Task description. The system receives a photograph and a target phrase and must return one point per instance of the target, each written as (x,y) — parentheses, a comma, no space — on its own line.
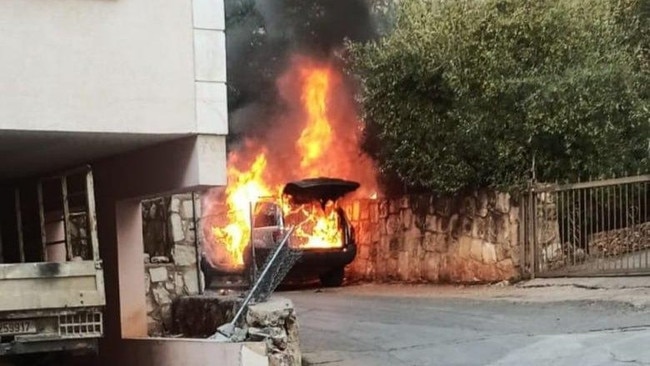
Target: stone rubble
(273,322)
(199,316)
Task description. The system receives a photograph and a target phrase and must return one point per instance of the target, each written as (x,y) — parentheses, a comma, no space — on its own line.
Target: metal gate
(596,228)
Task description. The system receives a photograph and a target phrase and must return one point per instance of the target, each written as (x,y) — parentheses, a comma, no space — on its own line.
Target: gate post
(533,231)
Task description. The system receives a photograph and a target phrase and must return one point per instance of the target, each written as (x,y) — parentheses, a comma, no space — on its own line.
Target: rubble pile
(273,322)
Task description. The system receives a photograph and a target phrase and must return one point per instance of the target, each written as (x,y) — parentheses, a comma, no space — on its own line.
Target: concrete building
(137,90)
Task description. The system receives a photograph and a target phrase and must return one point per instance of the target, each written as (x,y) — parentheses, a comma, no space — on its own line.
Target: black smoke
(261,35)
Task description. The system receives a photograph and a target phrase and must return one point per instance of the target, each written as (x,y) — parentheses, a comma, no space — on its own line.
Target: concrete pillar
(130,249)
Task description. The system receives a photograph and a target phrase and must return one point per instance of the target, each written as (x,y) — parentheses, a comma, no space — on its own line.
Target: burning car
(323,232)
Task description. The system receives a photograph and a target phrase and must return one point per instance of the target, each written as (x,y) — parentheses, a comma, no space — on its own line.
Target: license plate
(17,327)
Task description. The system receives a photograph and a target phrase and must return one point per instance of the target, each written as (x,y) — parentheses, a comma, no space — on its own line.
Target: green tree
(467,94)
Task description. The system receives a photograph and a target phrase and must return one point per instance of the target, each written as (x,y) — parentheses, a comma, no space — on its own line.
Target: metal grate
(278,267)
(275,269)
(82,324)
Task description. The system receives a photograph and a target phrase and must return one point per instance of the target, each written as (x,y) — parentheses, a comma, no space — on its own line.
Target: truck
(51,278)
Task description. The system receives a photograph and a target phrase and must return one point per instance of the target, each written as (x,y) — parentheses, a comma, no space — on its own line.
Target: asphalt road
(391,325)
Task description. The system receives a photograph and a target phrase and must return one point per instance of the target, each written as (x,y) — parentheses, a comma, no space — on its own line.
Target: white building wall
(122,66)
(102,71)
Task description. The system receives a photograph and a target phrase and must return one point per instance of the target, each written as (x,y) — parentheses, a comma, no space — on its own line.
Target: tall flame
(317,135)
(243,188)
(322,111)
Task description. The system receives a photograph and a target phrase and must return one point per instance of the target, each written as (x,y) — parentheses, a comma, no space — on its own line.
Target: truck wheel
(333,278)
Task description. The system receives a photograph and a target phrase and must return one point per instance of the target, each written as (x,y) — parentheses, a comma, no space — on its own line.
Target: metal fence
(587,229)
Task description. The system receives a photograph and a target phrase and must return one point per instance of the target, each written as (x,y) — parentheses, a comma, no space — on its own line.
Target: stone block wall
(171,266)
(462,239)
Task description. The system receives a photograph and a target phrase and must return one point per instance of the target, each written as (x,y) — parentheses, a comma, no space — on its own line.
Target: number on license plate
(17,327)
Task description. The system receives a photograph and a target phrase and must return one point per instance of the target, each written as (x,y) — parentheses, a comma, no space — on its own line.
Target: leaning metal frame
(251,217)
(274,270)
(276,266)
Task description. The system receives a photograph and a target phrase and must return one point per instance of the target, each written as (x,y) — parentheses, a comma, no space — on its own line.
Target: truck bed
(51,285)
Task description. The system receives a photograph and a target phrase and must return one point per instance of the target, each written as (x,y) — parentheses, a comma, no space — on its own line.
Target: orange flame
(323,114)
(316,227)
(243,188)
(317,135)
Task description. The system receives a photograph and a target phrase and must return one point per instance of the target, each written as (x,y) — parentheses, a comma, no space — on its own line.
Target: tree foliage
(481,93)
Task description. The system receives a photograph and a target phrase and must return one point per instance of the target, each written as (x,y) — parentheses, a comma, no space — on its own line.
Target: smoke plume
(261,37)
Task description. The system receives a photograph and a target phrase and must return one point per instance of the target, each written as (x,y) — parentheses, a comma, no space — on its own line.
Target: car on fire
(326,257)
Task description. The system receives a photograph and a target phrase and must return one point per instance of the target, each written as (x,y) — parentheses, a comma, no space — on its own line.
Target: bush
(468,94)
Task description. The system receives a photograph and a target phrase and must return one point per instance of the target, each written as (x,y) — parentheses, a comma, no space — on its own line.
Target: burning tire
(333,278)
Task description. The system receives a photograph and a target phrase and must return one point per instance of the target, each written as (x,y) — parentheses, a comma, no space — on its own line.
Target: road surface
(380,325)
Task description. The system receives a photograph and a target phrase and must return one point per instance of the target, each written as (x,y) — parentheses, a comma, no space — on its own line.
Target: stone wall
(171,266)
(464,239)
